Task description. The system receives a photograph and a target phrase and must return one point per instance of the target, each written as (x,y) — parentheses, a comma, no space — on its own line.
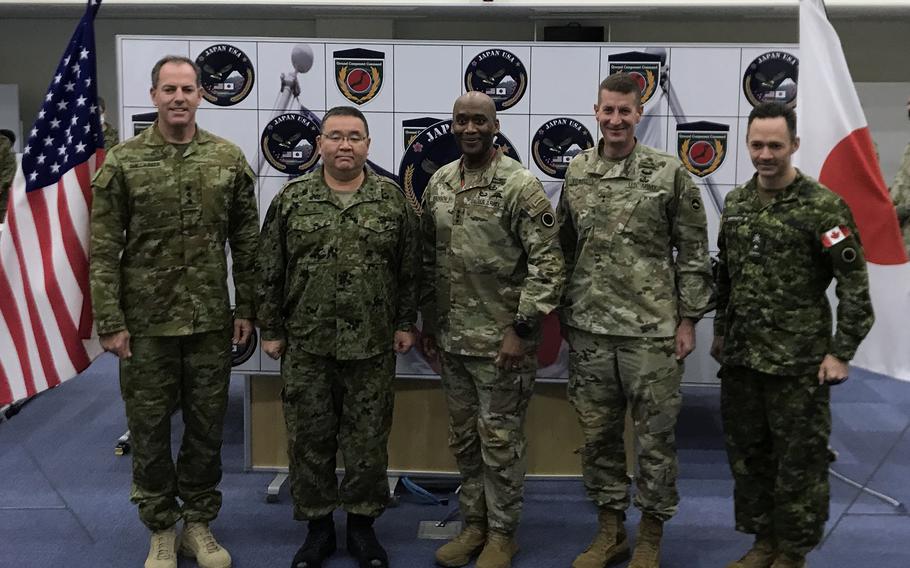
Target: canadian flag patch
(833,236)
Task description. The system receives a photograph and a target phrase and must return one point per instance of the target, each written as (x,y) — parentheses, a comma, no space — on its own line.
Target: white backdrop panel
(249,48)
(136,61)
(706,81)
(383,99)
(274,59)
(523,52)
(571,78)
(726,173)
(423,81)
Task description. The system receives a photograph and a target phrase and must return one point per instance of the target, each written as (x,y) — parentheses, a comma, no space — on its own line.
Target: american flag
(45,308)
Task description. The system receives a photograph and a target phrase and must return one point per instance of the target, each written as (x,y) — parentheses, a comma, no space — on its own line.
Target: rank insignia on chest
(755,248)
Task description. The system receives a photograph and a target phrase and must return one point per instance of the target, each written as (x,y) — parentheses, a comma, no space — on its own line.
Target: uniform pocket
(309,238)
(217,188)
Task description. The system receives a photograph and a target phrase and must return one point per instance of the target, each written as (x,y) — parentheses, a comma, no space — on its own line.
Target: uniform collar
(625,168)
(368,191)
(793,192)
(489,172)
(151,136)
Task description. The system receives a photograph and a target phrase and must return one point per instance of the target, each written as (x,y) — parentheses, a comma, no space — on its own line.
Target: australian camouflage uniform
(338,279)
(111,135)
(777,260)
(621,221)
(161,218)
(490,255)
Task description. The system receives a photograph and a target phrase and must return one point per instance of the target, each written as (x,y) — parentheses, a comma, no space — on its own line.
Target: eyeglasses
(337,137)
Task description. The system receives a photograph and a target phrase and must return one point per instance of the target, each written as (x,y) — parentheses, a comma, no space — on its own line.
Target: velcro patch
(833,236)
(142,165)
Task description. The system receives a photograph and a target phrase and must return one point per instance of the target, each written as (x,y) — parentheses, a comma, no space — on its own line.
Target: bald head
(478,101)
(474,126)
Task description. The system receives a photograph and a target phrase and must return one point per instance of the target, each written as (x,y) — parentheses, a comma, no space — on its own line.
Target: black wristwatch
(524,328)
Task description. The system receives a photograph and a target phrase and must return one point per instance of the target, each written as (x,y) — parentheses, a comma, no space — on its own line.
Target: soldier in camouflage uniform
(783,238)
(338,298)
(630,310)
(492,270)
(7,169)
(111,136)
(900,193)
(165,203)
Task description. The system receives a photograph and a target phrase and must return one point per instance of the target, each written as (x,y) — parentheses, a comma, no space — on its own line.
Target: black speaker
(574,32)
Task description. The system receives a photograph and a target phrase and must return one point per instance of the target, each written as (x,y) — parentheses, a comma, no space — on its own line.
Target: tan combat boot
(761,555)
(647,546)
(498,551)
(163,549)
(785,560)
(197,541)
(610,544)
(460,550)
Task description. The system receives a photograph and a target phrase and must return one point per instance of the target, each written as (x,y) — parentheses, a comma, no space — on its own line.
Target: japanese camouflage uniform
(170,216)
(776,263)
(338,279)
(490,255)
(900,194)
(7,173)
(625,294)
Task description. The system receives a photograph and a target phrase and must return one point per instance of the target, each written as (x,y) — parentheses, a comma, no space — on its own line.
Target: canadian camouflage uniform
(621,222)
(338,279)
(900,194)
(7,173)
(170,216)
(774,315)
(111,136)
(490,255)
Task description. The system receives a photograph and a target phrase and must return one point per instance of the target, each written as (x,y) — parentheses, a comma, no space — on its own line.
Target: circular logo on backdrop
(772,77)
(432,149)
(557,142)
(289,144)
(499,74)
(227,74)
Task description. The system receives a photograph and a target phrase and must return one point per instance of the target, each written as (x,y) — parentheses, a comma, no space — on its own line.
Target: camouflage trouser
(330,403)
(191,373)
(607,373)
(487,408)
(776,431)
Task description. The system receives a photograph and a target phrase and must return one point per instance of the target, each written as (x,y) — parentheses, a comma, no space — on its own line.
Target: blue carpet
(64,495)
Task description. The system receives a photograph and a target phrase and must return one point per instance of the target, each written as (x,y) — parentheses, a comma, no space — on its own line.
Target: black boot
(362,543)
(319,544)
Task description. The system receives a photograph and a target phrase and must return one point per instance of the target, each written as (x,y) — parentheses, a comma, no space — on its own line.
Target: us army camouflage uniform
(775,318)
(111,136)
(490,254)
(170,217)
(7,173)
(338,279)
(625,295)
(900,194)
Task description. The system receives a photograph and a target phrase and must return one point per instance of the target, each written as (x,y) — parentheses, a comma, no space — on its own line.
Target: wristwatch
(524,328)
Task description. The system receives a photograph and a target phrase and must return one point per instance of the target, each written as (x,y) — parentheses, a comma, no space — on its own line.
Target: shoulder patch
(834,235)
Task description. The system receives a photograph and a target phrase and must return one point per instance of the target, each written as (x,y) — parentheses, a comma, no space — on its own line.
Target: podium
(418,443)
